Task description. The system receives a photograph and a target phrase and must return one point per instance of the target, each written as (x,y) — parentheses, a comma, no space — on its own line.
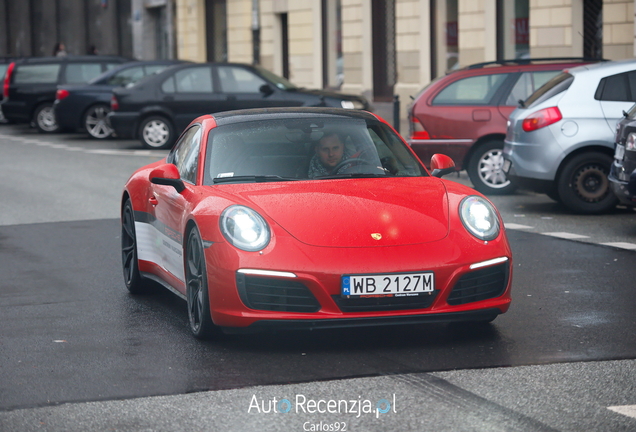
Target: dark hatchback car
(156,109)
(84,107)
(463,114)
(622,174)
(30,85)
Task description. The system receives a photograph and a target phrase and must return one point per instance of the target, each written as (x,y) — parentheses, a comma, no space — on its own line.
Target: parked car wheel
(135,283)
(44,118)
(199,316)
(95,122)
(156,132)
(583,185)
(485,169)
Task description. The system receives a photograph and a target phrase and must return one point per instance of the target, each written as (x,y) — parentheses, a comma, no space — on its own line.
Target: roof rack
(530,60)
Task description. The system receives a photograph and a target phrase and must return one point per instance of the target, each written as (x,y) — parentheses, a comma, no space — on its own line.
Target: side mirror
(441,165)
(266,90)
(167,175)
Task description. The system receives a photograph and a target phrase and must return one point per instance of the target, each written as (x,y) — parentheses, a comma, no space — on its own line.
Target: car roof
(604,69)
(247,115)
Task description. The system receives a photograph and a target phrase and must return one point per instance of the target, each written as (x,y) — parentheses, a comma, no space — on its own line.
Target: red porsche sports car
(311,218)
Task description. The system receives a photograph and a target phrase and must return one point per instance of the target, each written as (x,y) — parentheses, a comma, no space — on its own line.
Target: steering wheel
(353,160)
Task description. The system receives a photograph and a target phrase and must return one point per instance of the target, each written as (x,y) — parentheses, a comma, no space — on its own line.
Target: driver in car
(330,151)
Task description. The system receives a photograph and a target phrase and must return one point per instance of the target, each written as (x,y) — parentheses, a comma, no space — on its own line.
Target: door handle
(153,200)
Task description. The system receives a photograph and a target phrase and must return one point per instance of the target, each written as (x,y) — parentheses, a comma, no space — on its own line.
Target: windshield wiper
(353,175)
(253,178)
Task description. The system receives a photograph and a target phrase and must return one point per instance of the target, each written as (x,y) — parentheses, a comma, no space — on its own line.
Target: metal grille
(479,285)
(271,294)
(593,29)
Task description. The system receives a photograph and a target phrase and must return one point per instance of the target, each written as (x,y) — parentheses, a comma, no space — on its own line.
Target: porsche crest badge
(376,236)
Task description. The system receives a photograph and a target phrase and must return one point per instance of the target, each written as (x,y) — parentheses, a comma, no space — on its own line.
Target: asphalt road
(77,352)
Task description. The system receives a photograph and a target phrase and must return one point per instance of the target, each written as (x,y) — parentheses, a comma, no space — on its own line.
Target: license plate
(388,285)
(506,166)
(619,153)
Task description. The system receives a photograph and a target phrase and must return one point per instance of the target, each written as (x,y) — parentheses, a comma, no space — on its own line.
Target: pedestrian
(59,50)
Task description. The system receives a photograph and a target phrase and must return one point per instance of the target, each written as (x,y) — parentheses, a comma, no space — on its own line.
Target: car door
(189,93)
(616,94)
(171,208)
(242,88)
(463,111)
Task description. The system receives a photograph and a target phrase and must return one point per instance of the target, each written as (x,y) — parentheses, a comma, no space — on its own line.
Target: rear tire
(44,118)
(135,283)
(95,122)
(156,132)
(583,185)
(485,169)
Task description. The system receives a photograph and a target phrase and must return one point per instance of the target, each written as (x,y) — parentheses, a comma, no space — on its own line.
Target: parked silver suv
(561,140)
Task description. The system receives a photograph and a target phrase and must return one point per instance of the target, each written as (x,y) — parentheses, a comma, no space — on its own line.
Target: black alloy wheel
(583,185)
(135,283)
(201,324)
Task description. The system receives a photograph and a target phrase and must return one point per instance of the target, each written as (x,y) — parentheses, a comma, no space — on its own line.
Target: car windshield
(278,81)
(307,148)
(556,85)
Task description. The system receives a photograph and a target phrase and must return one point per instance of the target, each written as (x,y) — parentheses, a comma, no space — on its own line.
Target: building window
(332,60)
(216,30)
(513,29)
(593,29)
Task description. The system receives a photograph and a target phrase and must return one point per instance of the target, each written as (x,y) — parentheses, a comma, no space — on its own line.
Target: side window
(36,74)
(527,84)
(477,90)
(79,73)
(617,88)
(186,154)
(127,76)
(194,80)
(168,85)
(238,80)
(153,69)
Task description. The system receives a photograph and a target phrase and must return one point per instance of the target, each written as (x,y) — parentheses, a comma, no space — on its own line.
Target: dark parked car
(30,85)
(622,174)
(463,114)
(156,109)
(85,106)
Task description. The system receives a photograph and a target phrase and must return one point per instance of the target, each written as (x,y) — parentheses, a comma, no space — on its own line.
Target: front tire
(135,283)
(95,122)
(485,169)
(198,298)
(44,119)
(156,132)
(583,185)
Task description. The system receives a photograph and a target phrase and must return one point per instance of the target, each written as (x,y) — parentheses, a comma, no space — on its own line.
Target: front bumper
(622,179)
(457,295)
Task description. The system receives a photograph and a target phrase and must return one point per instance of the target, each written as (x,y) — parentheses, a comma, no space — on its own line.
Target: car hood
(354,213)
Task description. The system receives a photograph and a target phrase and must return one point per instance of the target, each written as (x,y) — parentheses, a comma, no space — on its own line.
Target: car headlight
(630,142)
(244,228)
(351,104)
(479,217)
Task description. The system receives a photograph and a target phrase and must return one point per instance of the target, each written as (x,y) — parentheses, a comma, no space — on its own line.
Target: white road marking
(628,410)
(566,235)
(622,245)
(158,153)
(510,225)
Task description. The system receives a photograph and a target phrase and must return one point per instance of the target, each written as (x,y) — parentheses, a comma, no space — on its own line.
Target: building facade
(381,48)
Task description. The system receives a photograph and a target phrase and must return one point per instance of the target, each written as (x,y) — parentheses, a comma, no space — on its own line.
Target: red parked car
(464,114)
(311,218)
